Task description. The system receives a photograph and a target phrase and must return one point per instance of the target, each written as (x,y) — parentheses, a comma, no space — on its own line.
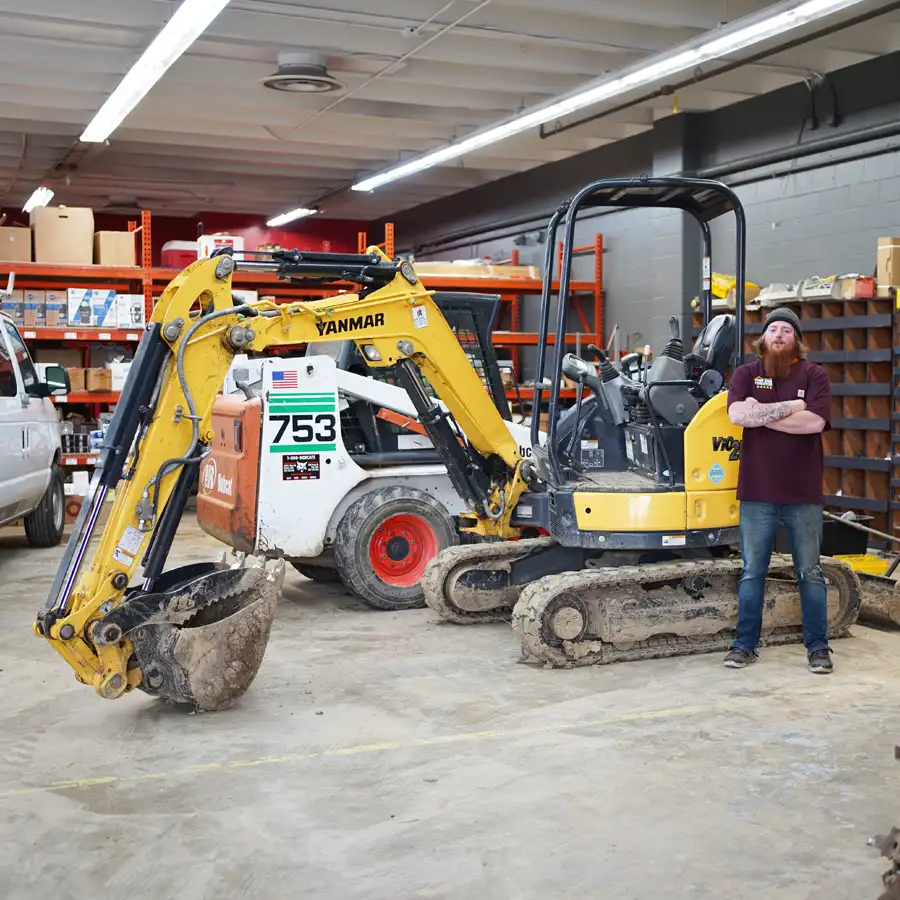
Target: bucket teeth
(204,646)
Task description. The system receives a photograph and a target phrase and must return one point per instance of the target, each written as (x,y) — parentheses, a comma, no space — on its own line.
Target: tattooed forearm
(755,415)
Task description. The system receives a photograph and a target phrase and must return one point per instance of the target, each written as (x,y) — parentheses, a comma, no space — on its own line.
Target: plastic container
(838,538)
(178,254)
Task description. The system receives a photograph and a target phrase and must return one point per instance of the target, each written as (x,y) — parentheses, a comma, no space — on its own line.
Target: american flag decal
(284,381)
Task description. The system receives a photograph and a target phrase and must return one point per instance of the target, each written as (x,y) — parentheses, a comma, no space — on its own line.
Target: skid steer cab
(320,459)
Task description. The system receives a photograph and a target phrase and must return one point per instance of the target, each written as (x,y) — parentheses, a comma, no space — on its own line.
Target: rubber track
(440,571)
(534,599)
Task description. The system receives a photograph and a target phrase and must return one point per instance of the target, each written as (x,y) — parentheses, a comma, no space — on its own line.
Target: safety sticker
(300,467)
(716,474)
(128,546)
(674,540)
(122,557)
(131,540)
(644,447)
(420,317)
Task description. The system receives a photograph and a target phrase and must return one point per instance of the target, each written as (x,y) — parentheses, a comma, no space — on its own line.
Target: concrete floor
(385,755)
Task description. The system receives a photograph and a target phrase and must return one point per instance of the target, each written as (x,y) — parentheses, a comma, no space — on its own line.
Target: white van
(31,481)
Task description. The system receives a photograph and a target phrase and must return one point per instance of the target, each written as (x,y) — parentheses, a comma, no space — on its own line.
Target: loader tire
(45,524)
(385,541)
(320,574)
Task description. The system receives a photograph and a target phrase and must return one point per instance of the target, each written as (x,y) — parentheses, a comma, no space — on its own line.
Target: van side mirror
(57,380)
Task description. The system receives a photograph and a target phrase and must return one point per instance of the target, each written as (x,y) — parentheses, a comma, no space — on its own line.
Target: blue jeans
(759,524)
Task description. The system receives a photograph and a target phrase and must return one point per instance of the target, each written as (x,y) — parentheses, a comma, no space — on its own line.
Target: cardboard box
(474,268)
(15,245)
(92,307)
(119,371)
(63,235)
(104,310)
(114,248)
(79,307)
(35,309)
(209,242)
(98,379)
(56,307)
(102,353)
(853,287)
(130,310)
(14,307)
(78,380)
(888,271)
(67,357)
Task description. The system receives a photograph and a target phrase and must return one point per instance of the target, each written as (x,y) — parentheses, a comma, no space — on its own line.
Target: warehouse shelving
(151,280)
(74,336)
(79,460)
(854,340)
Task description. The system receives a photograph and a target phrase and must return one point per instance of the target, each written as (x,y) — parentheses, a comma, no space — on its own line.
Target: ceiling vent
(302,73)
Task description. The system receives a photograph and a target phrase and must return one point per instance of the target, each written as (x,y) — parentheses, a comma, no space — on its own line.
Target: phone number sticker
(300,467)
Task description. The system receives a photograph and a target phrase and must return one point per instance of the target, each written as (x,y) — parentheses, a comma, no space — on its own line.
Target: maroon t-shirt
(776,467)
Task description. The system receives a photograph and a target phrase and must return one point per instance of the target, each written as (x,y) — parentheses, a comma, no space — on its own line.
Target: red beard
(777,362)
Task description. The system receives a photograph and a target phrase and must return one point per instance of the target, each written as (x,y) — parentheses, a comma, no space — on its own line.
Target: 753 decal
(305,428)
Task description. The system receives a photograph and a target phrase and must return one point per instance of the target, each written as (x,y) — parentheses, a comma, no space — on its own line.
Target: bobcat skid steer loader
(342,480)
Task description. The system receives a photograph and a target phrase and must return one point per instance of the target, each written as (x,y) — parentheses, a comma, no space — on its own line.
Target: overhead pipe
(799,151)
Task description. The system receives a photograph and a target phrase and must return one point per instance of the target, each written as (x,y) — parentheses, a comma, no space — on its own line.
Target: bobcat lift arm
(197,634)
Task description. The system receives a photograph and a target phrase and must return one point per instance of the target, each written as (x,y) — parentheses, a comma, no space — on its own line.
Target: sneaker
(820,662)
(738,658)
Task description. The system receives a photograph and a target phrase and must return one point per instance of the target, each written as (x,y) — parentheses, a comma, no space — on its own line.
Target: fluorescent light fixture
(290,216)
(41,197)
(738,36)
(189,21)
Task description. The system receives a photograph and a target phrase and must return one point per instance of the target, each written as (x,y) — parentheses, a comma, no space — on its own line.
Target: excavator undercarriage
(615,609)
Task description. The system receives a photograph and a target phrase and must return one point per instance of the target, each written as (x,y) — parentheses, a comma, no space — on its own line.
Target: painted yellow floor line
(442,740)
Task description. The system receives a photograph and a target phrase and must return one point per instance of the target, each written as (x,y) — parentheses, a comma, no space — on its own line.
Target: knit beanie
(784,315)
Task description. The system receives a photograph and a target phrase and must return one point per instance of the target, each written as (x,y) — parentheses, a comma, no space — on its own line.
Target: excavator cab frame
(703,199)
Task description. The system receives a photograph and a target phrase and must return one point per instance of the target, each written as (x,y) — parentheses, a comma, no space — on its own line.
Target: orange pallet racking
(151,280)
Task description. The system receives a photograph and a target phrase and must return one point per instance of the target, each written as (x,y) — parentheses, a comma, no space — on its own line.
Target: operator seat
(708,362)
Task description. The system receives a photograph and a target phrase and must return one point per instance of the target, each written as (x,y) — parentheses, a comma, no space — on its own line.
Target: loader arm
(198,634)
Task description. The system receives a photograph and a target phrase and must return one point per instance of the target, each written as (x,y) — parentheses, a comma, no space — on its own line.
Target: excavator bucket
(204,631)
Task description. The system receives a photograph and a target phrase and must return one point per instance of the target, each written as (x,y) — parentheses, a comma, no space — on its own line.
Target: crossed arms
(789,416)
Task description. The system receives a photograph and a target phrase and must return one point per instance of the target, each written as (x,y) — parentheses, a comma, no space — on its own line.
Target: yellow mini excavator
(635,484)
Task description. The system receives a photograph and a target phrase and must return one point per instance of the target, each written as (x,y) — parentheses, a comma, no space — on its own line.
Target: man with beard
(783,403)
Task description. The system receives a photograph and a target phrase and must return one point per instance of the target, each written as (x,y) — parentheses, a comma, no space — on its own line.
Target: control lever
(631,364)
(576,369)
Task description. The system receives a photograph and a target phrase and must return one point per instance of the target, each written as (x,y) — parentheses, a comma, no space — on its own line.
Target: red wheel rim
(401,548)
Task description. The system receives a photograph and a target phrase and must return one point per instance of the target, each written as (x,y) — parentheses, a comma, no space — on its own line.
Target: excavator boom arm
(112,633)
